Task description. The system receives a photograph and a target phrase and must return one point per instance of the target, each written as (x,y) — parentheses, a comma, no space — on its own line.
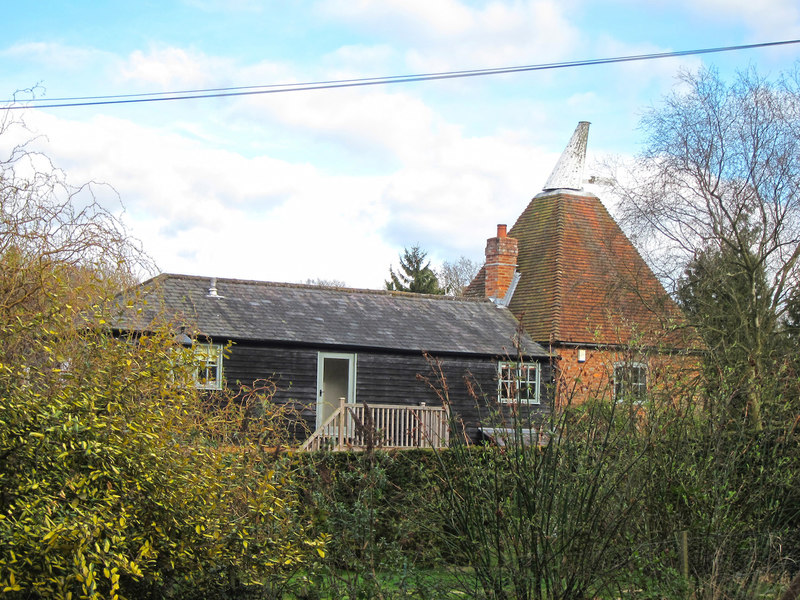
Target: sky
(333,184)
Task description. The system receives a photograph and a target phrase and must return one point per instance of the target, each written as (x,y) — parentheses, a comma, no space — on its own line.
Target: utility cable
(360,82)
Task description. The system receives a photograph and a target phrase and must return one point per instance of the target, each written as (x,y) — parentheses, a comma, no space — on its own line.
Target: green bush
(109,485)
(732,489)
(384,498)
(379,512)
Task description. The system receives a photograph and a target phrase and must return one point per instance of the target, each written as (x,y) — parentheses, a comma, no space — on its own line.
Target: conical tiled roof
(582,281)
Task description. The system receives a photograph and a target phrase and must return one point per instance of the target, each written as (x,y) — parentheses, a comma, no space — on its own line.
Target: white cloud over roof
(332,184)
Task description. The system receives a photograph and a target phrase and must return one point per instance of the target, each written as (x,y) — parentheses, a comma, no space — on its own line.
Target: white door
(336,378)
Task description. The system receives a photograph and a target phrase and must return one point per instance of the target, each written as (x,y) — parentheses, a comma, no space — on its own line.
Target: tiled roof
(275,312)
(477,287)
(582,281)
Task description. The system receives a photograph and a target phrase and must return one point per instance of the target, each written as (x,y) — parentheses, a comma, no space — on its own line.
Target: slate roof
(582,281)
(277,312)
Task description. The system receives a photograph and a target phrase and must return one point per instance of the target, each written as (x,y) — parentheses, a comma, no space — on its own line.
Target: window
(208,361)
(517,383)
(630,381)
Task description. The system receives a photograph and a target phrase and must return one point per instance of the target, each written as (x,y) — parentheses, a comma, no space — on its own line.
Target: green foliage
(717,288)
(725,295)
(415,274)
(596,508)
(386,499)
(108,488)
(716,192)
(732,489)
(596,512)
(544,517)
(379,513)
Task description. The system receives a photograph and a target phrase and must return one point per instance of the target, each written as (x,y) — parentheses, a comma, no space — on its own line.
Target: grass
(444,583)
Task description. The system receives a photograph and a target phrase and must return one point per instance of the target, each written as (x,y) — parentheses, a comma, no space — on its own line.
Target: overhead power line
(361,82)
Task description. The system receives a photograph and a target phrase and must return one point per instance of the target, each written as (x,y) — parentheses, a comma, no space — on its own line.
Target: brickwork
(501,263)
(579,381)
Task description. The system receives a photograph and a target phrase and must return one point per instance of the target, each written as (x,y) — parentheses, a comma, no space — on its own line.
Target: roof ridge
(312,287)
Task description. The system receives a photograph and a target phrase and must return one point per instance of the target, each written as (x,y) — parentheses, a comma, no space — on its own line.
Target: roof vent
(212,289)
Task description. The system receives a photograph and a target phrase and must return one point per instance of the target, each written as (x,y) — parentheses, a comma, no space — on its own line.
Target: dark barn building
(321,345)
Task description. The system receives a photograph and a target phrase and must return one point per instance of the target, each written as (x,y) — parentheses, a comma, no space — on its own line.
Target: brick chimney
(501,263)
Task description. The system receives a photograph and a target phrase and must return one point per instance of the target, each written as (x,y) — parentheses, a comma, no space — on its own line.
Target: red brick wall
(671,375)
(579,381)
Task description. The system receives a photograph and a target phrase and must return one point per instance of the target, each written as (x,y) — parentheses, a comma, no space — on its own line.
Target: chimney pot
(501,231)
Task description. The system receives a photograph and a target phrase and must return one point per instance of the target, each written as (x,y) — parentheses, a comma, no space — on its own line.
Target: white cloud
(768,20)
(358,60)
(333,184)
(170,67)
(202,210)
(452,204)
(207,211)
(55,55)
(431,17)
(241,190)
(445,34)
(395,124)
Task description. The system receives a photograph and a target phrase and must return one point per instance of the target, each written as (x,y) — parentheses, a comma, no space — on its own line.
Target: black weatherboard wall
(471,384)
(382,377)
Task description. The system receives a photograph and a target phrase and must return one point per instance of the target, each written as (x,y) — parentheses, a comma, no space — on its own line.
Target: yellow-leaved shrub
(110,484)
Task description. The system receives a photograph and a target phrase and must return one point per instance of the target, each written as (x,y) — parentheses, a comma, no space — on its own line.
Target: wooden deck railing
(360,426)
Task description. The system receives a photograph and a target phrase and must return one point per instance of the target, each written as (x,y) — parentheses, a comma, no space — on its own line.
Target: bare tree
(720,175)
(59,246)
(455,276)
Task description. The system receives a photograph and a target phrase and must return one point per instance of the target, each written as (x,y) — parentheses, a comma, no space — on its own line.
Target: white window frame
(623,379)
(208,361)
(514,377)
